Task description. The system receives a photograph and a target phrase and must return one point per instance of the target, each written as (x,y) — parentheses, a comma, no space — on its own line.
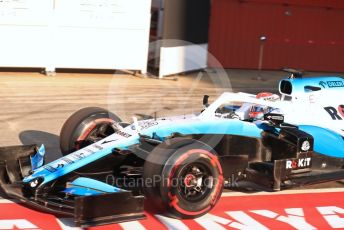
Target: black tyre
(191,179)
(86,127)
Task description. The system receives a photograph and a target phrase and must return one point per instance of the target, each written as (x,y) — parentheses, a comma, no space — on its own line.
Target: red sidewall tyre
(171,162)
(170,193)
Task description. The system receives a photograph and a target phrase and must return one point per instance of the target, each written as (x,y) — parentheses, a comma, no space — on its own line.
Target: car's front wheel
(85,127)
(183,178)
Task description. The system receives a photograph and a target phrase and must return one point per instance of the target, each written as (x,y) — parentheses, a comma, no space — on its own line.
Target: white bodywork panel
(305,110)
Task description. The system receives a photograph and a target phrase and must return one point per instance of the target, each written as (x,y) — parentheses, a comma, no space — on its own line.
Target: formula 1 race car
(180,165)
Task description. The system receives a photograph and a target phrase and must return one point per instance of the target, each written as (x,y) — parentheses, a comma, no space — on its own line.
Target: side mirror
(309,88)
(206,100)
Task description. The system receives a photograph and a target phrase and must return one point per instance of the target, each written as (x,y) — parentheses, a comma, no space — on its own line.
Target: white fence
(92,34)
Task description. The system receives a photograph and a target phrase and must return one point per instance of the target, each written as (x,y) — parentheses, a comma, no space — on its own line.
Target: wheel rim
(195,182)
(98,130)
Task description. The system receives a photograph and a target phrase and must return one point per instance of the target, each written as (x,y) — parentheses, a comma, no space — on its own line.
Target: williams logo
(331,84)
(323,84)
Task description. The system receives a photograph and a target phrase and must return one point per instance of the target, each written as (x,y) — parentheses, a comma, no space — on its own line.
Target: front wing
(87,210)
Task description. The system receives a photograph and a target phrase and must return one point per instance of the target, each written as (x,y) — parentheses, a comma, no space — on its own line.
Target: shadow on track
(50,141)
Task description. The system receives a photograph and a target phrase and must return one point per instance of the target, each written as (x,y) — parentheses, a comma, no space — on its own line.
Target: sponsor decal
(88,150)
(67,160)
(123,134)
(98,147)
(335,84)
(70,159)
(148,124)
(301,211)
(298,163)
(275,117)
(60,166)
(76,156)
(331,84)
(80,155)
(335,113)
(49,168)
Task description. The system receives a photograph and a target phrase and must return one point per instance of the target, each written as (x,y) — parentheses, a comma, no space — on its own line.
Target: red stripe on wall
(314,3)
(309,38)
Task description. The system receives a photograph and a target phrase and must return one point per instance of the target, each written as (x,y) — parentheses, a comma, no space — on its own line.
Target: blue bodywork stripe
(94,184)
(225,127)
(228,126)
(81,191)
(83,186)
(326,142)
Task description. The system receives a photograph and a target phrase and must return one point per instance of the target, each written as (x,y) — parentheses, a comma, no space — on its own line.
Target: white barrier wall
(181,59)
(93,34)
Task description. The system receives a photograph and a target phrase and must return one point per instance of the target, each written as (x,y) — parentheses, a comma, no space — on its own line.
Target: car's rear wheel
(183,178)
(86,127)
